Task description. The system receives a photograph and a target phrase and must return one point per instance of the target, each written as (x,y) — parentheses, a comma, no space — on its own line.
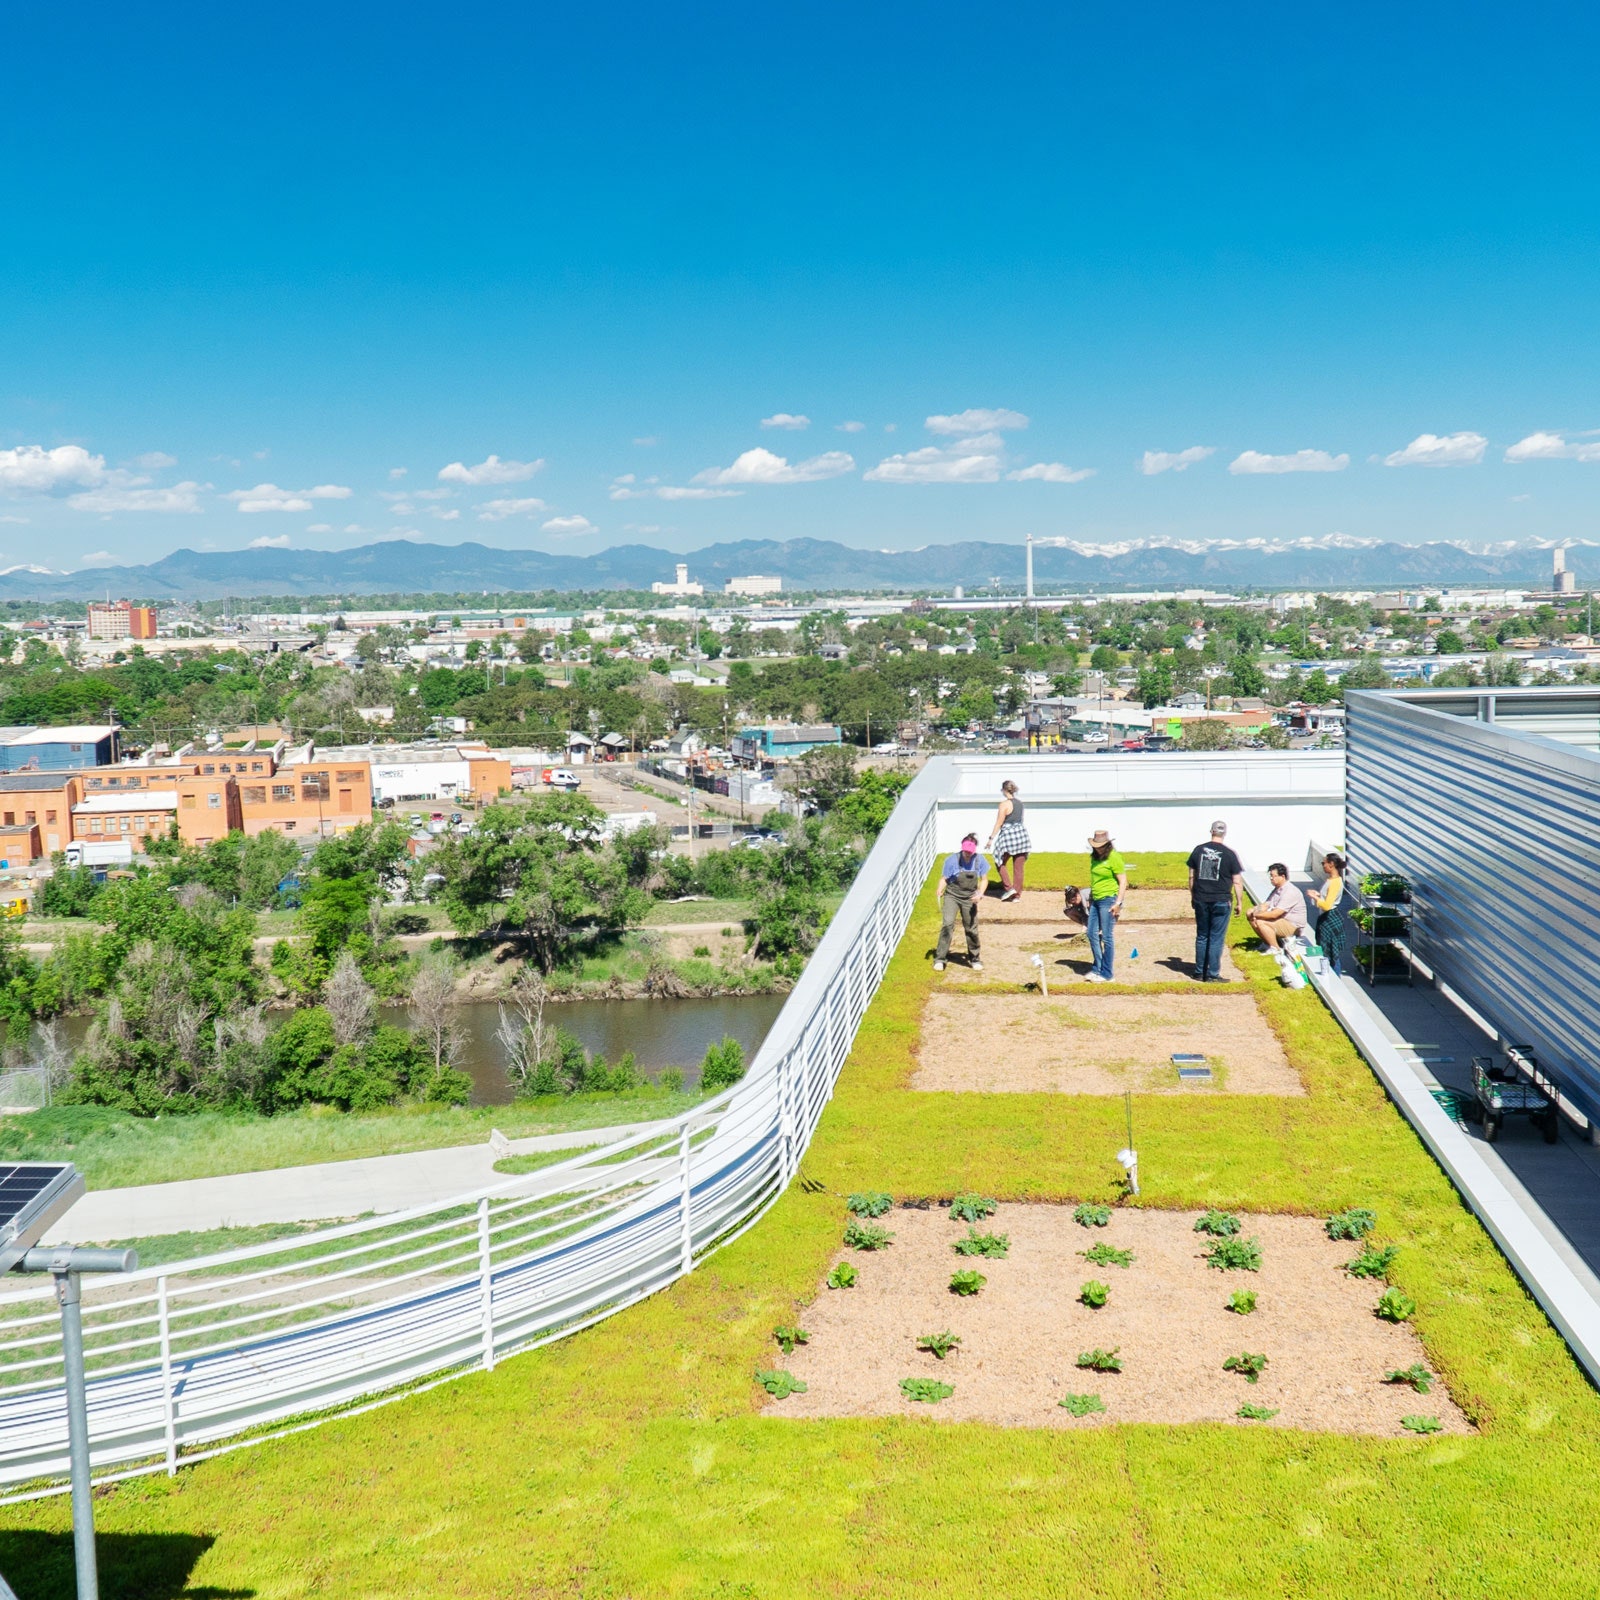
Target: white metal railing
(188,1360)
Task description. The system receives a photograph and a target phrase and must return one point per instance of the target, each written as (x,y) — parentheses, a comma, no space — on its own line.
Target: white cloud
(311,527)
(9,518)
(669,491)
(432,494)
(1440,450)
(1051,472)
(269,497)
(1536,447)
(849,427)
(646,441)
(155,460)
(1252,462)
(355,527)
(933,465)
(570,527)
(401,508)
(492,470)
(279,541)
(180,498)
(396,473)
(642,527)
(97,558)
(33,469)
(977,421)
(762,466)
(260,455)
(783,419)
(1158,461)
(499,510)
(451,515)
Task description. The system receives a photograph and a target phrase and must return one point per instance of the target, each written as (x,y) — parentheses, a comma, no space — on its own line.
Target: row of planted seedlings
(1227,1251)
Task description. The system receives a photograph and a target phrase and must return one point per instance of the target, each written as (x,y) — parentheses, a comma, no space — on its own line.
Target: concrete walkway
(307,1194)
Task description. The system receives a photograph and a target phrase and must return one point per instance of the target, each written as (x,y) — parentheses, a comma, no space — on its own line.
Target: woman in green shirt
(1108,883)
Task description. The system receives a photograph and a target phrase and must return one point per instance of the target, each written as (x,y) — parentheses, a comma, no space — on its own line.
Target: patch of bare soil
(1165,953)
(1044,905)
(1093,1043)
(1167,1319)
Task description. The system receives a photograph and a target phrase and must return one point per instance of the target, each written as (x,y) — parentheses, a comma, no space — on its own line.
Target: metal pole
(485,1285)
(169,1411)
(686,1261)
(68,1297)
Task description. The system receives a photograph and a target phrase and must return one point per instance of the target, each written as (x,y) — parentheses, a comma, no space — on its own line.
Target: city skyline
(627,278)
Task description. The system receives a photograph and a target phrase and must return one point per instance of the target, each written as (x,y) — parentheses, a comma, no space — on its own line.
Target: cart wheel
(1474,1111)
(1490,1129)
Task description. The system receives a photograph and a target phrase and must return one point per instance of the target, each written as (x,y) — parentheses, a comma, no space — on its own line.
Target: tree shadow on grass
(133,1566)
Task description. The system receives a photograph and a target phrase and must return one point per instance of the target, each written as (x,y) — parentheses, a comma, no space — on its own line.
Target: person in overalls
(961,884)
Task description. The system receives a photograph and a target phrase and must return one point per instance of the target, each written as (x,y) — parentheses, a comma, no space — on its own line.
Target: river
(661,1033)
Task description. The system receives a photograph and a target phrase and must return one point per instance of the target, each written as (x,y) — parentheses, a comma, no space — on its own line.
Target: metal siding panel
(1497,829)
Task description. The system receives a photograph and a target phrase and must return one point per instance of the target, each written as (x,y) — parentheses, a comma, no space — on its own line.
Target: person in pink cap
(962,883)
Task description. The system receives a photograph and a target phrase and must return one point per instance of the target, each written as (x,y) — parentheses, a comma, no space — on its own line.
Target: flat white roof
(85,734)
(149,800)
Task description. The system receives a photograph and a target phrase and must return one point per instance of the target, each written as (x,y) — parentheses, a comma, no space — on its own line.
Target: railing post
(485,1285)
(785,1123)
(685,1202)
(168,1403)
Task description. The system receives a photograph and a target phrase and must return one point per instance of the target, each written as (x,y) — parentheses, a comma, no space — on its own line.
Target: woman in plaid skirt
(1009,841)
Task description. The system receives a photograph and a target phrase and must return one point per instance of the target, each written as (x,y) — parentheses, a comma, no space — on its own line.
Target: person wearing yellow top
(1108,883)
(1333,931)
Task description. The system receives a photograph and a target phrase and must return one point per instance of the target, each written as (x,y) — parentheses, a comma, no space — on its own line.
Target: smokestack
(1030,566)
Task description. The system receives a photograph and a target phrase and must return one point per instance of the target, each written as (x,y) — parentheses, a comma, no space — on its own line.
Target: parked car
(560,778)
(1097,737)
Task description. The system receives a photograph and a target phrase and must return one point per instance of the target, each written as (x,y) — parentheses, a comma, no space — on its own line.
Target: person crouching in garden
(1010,842)
(964,879)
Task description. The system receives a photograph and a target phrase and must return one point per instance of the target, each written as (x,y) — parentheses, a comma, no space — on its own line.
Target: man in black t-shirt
(1216,878)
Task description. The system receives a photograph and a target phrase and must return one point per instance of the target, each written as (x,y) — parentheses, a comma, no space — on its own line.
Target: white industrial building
(753,585)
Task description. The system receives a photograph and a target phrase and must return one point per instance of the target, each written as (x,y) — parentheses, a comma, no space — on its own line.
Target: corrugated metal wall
(1499,831)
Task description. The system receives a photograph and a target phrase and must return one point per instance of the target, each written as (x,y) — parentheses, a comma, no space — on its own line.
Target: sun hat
(1100,837)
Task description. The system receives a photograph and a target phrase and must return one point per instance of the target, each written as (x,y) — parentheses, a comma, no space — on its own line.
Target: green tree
(540,872)
(1154,687)
(866,807)
(825,775)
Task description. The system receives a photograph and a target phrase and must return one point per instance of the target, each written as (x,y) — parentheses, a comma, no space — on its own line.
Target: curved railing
(208,1355)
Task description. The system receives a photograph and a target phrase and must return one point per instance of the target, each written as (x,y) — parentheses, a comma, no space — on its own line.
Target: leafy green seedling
(843,1276)
(780,1385)
(1081,1405)
(870,1204)
(992,1245)
(1356,1223)
(1101,1360)
(1094,1294)
(1243,1301)
(938,1344)
(1107,1255)
(972,1207)
(967,1281)
(1416,1375)
(1248,1366)
(866,1236)
(1395,1307)
(929,1391)
(1219,1224)
(788,1335)
(1235,1255)
(1422,1424)
(1257,1413)
(1372,1262)
(1087,1216)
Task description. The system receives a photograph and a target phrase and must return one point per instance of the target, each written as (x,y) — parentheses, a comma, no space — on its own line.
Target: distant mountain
(400,567)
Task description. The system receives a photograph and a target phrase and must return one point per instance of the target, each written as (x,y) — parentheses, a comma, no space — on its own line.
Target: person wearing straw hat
(963,881)
(1108,883)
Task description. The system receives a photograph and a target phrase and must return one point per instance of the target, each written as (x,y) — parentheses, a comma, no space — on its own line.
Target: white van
(561,778)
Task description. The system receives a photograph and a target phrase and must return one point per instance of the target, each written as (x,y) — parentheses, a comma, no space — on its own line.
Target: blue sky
(265,273)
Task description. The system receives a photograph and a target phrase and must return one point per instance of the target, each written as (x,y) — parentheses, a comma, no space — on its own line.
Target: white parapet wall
(1272,800)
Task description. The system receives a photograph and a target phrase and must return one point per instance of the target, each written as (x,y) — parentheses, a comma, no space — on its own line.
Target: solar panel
(33,1194)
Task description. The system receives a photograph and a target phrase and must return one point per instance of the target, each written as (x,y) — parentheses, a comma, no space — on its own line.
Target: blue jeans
(1210,935)
(1102,925)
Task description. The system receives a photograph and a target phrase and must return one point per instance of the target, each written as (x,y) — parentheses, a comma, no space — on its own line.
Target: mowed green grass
(634,1460)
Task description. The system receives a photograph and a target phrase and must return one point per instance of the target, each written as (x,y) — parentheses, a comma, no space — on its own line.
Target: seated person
(1076,907)
(1282,913)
